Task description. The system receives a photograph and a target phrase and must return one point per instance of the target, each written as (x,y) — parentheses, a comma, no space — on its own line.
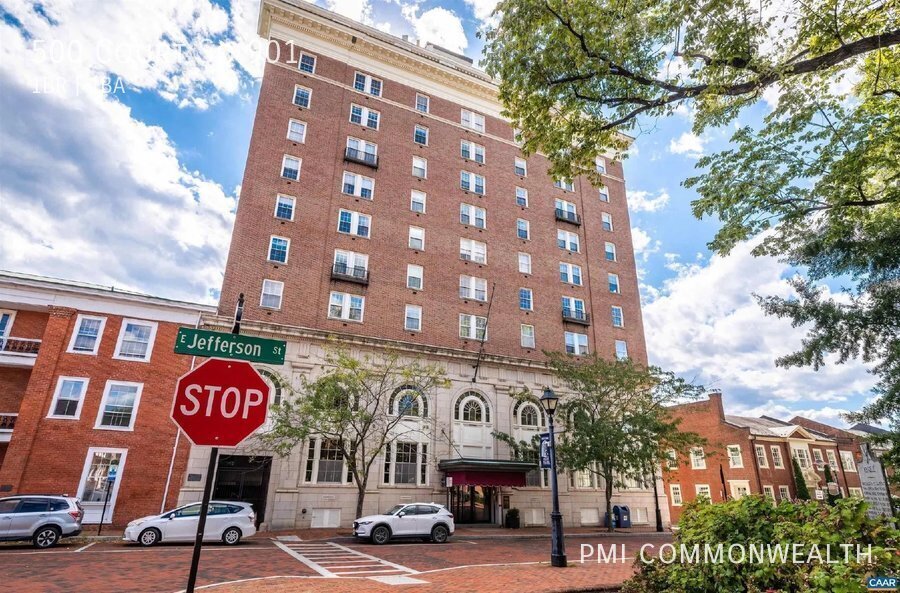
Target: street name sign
(209,344)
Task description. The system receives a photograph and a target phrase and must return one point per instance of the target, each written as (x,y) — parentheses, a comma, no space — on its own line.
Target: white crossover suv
(425,520)
(226,521)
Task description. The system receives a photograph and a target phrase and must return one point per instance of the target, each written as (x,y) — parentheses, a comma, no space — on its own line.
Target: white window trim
(299,166)
(472,212)
(848,467)
(59,383)
(262,293)
(345,306)
(527,236)
(621,316)
(568,235)
(358,182)
(577,343)
(779,457)
(287,252)
(473,183)
(740,461)
(530,299)
(293,206)
(75,334)
(603,217)
(769,491)
(427,103)
(424,201)
(309,94)
(134,408)
(367,86)
(618,289)
(698,487)
(570,274)
(410,238)
(421,276)
(473,325)
(316,453)
(305,128)
(364,117)
(354,223)
(519,262)
(672,489)
(525,196)
(424,168)
(472,243)
(606,250)
(625,347)
(782,490)
(698,462)
(427,134)
(120,471)
(522,326)
(153,327)
(308,55)
(524,167)
(406,316)
(473,118)
(421,460)
(765,458)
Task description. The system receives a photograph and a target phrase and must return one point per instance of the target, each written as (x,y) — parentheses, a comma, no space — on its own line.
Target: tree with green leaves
(799,481)
(816,183)
(613,417)
(360,406)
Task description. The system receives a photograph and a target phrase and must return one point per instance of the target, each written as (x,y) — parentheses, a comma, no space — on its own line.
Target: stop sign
(220,403)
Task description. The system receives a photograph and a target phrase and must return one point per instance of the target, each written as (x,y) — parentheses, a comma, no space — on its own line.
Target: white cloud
(644,201)
(358,10)
(439,26)
(705,323)
(688,144)
(643,243)
(482,8)
(827,415)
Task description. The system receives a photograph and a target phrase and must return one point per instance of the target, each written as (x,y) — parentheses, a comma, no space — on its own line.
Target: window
(784,493)
(698,459)
(675,489)
(136,340)
(407,463)
(364,116)
(366,84)
(570,273)
(777,461)
(471,151)
(284,207)
(703,491)
(296,131)
(88,331)
(307,63)
(600,165)
(95,485)
(359,186)
(346,306)
(415,276)
(621,350)
(802,456)
(526,333)
(521,167)
(567,240)
(818,458)
(855,492)
(271,294)
(325,462)
(471,287)
(422,103)
(419,167)
(671,459)
(526,299)
(847,461)
(361,150)
(573,308)
(416,237)
(408,400)
(618,319)
(290,167)
(473,251)
(566,210)
(302,96)
(735,459)
(350,263)
(769,491)
(604,194)
(523,229)
(278,249)
(413,318)
(472,215)
(613,280)
(761,459)
(417,201)
(832,459)
(472,327)
(472,407)
(420,135)
(565,184)
(610,250)
(576,344)
(524,263)
(353,223)
(522,197)
(471,182)
(471,120)
(118,408)
(607,221)
(68,398)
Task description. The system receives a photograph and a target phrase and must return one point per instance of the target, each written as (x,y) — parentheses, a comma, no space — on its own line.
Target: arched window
(527,413)
(472,407)
(275,383)
(408,400)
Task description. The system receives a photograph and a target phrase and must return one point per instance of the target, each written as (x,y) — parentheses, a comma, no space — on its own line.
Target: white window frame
(345,306)
(304,54)
(85,381)
(472,251)
(522,164)
(410,268)
(702,490)
(316,453)
(416,128)
(621,349)
(424,167)
(473,183)
(564,184)
(732,463)
(530,299)
(764,461)
(74,337)
(671,459)
(302,140)
(784,492)
(524,193)
(855,492)
(612,312)
(675,495)
(471,285)
(818,458)
(527,261)
(604,194)
(427,103)
(120,470)
(472,120)
(570,273)
(416,232)
(523,336)
(802,455)
(421,464)
(567,237)
(473,327)
(364,117)
(472,212)
(150,342)
(263,293)
(698,458)
(308,94)
(134,408)
(406,318)
(769,492)
(354,223)
(474,149)
(353,259)
(777,457)
(412,200)
(576,342)
(293,202)
(357,185)
(610,248)
(367,84)
(606,218)
(609,278)
(287,251)
(600,165)
(299,167)
(847,461)
(519,223)
(832,458)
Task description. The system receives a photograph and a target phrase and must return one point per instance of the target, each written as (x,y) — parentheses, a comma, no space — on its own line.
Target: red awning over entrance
(486,478)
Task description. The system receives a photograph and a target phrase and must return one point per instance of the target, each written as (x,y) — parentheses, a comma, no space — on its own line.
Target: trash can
(615,517)
(624,517)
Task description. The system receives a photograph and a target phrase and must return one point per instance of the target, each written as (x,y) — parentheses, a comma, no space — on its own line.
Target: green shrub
(755,520)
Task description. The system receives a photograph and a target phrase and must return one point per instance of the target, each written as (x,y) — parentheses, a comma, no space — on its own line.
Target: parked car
(426,520)
(226,521)
(40,518)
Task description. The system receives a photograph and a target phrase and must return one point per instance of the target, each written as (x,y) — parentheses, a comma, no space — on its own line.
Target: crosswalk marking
(333,560)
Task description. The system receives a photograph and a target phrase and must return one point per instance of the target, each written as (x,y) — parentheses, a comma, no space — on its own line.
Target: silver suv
(41,519)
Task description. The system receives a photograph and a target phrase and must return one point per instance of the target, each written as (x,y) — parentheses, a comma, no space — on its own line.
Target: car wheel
(149,537)
(46,537)
(381,535)
(439,534)
(231,536)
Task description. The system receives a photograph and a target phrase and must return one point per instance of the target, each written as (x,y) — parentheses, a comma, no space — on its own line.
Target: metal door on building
(244,478)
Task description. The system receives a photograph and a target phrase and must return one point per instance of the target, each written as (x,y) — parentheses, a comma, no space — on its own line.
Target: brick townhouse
(753,456)
(87,376)
(386,204)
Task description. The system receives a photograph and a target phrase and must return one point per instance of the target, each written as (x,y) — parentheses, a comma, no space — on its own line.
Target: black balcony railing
(8,422)
(567,216)
(22,346)
(357,274)
(363,158)
(576,316)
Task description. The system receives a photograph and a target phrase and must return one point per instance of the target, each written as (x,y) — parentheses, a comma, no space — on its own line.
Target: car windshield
(395,509)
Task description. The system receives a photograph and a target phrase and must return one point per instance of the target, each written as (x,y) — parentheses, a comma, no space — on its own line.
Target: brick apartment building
(385,202)
(753,456)
(87,375)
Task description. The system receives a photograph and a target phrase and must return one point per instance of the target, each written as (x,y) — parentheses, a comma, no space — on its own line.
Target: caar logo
(882,583)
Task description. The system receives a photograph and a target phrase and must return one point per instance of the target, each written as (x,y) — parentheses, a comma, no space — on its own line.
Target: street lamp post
(557,544)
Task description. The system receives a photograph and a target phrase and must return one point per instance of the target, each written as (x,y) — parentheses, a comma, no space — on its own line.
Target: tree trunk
(360,496)
(609,493)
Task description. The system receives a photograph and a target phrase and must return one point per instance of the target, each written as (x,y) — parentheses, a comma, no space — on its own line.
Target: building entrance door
(245,479)
(472,504)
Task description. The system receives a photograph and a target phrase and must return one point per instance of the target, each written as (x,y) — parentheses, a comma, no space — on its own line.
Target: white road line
(298,556)
(85,547)
(333,560)
(397,566)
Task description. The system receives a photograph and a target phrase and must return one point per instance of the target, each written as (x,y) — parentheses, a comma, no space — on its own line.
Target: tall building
(386,203)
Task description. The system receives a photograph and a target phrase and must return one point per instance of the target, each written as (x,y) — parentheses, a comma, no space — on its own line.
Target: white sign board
(874,487)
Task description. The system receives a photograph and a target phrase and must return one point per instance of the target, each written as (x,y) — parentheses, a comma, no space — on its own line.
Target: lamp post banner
(545,451)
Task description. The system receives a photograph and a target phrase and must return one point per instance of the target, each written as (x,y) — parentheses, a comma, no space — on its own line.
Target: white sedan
(425,520)
(226,521)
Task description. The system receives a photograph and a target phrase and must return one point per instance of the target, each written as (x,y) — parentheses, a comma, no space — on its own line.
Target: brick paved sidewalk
(485,532)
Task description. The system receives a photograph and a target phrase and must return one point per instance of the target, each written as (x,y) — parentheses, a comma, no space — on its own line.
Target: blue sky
(136,188)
